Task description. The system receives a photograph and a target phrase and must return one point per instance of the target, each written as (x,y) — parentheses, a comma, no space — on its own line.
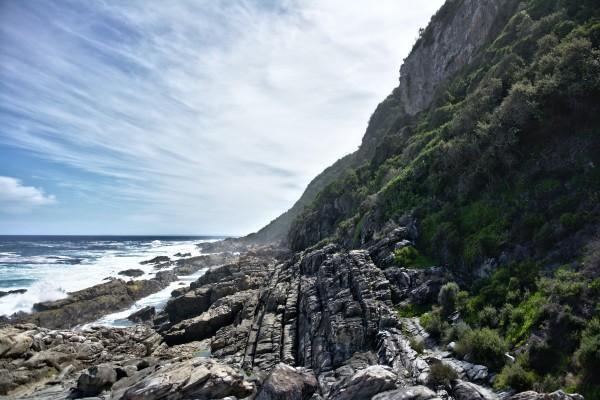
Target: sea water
(50,267)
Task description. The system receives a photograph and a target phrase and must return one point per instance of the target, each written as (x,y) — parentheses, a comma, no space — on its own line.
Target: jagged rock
(133,272)
(365,383)
(156,260)
(196,378)
(408,393)
(96,379)
(15,291)
(14,344)
(182,254)
(557,395)
(462,390)
(221,313)
(288,383)
(143,315)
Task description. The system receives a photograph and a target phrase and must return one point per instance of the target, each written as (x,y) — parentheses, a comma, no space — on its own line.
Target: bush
(456,332)
(588,353)
(488,317)
(441,374)
(483,346)
(409,257)
(447,298)
(417,345)
(433,324)
(516,377)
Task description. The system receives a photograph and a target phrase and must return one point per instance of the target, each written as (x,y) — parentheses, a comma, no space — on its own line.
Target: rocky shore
(320,324)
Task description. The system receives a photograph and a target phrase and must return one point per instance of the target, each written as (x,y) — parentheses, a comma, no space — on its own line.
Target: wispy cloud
(210,114)
(17,198)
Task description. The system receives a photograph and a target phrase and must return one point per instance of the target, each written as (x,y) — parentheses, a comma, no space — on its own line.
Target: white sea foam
(53,280)
(158,300)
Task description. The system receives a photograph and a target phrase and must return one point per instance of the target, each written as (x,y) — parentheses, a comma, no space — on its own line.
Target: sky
(185,117)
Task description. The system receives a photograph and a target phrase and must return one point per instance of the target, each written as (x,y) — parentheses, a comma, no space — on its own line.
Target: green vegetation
(502,176)
(484,346)
(441,374)
(409,257)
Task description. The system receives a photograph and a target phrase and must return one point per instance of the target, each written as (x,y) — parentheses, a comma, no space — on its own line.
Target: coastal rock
(15,291)
(133,272)
(365,383)
(182,254)
(408,393)
(196,378)
(96,379)
(557,395)
(14,343)
(143,315)
(156,260)
(288,383)
(462,390)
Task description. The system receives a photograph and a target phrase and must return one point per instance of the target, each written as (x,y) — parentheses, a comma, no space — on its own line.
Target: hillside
(489,149)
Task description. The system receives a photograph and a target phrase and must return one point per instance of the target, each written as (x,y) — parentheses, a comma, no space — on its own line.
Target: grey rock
(96,379)
(408,393)
(365,383)
(288,383)
(462,390)
(143,315)
(133,272)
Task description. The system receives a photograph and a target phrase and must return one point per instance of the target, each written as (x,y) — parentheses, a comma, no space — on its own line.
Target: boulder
(143,315)
(16,291)
(96,379)
(133,272)
(156,260)
(365,384)
(288,383)
(557,395)
(408,393)
(463,390)
(14,344)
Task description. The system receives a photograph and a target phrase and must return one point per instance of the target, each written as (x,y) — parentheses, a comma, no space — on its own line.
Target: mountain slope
(490,150)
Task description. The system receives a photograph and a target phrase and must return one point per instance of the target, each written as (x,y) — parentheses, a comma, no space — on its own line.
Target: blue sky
(184,117)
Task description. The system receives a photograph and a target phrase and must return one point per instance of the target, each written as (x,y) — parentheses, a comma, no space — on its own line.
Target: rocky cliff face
(450,41)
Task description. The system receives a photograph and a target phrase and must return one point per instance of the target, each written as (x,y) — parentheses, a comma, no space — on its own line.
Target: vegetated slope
(497,159)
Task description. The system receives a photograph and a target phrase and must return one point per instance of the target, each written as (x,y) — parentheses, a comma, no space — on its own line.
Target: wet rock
(408,393)
(16,291)
(288,383)
(143,315)
(96,379)
(133,272)
(182,254)
(156,260)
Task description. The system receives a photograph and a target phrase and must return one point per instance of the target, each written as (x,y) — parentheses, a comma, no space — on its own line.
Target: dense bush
(441,374)
(483,346)
(514,376)
(588,353)
(447,298)
(433,323)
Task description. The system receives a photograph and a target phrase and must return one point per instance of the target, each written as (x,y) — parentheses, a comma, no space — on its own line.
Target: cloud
(213,115)
(17,198)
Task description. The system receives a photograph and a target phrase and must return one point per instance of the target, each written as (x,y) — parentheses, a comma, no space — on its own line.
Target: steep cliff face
(450,41)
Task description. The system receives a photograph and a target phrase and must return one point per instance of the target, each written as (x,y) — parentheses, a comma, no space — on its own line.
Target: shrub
(447,298)
(433,324)
(410,257)
(417,345)
(441,374)
(483,346)
(516,377)
(488,317)
(456,332)
(588,353)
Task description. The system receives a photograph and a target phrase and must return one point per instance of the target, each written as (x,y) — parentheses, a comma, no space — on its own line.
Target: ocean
(49,267)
